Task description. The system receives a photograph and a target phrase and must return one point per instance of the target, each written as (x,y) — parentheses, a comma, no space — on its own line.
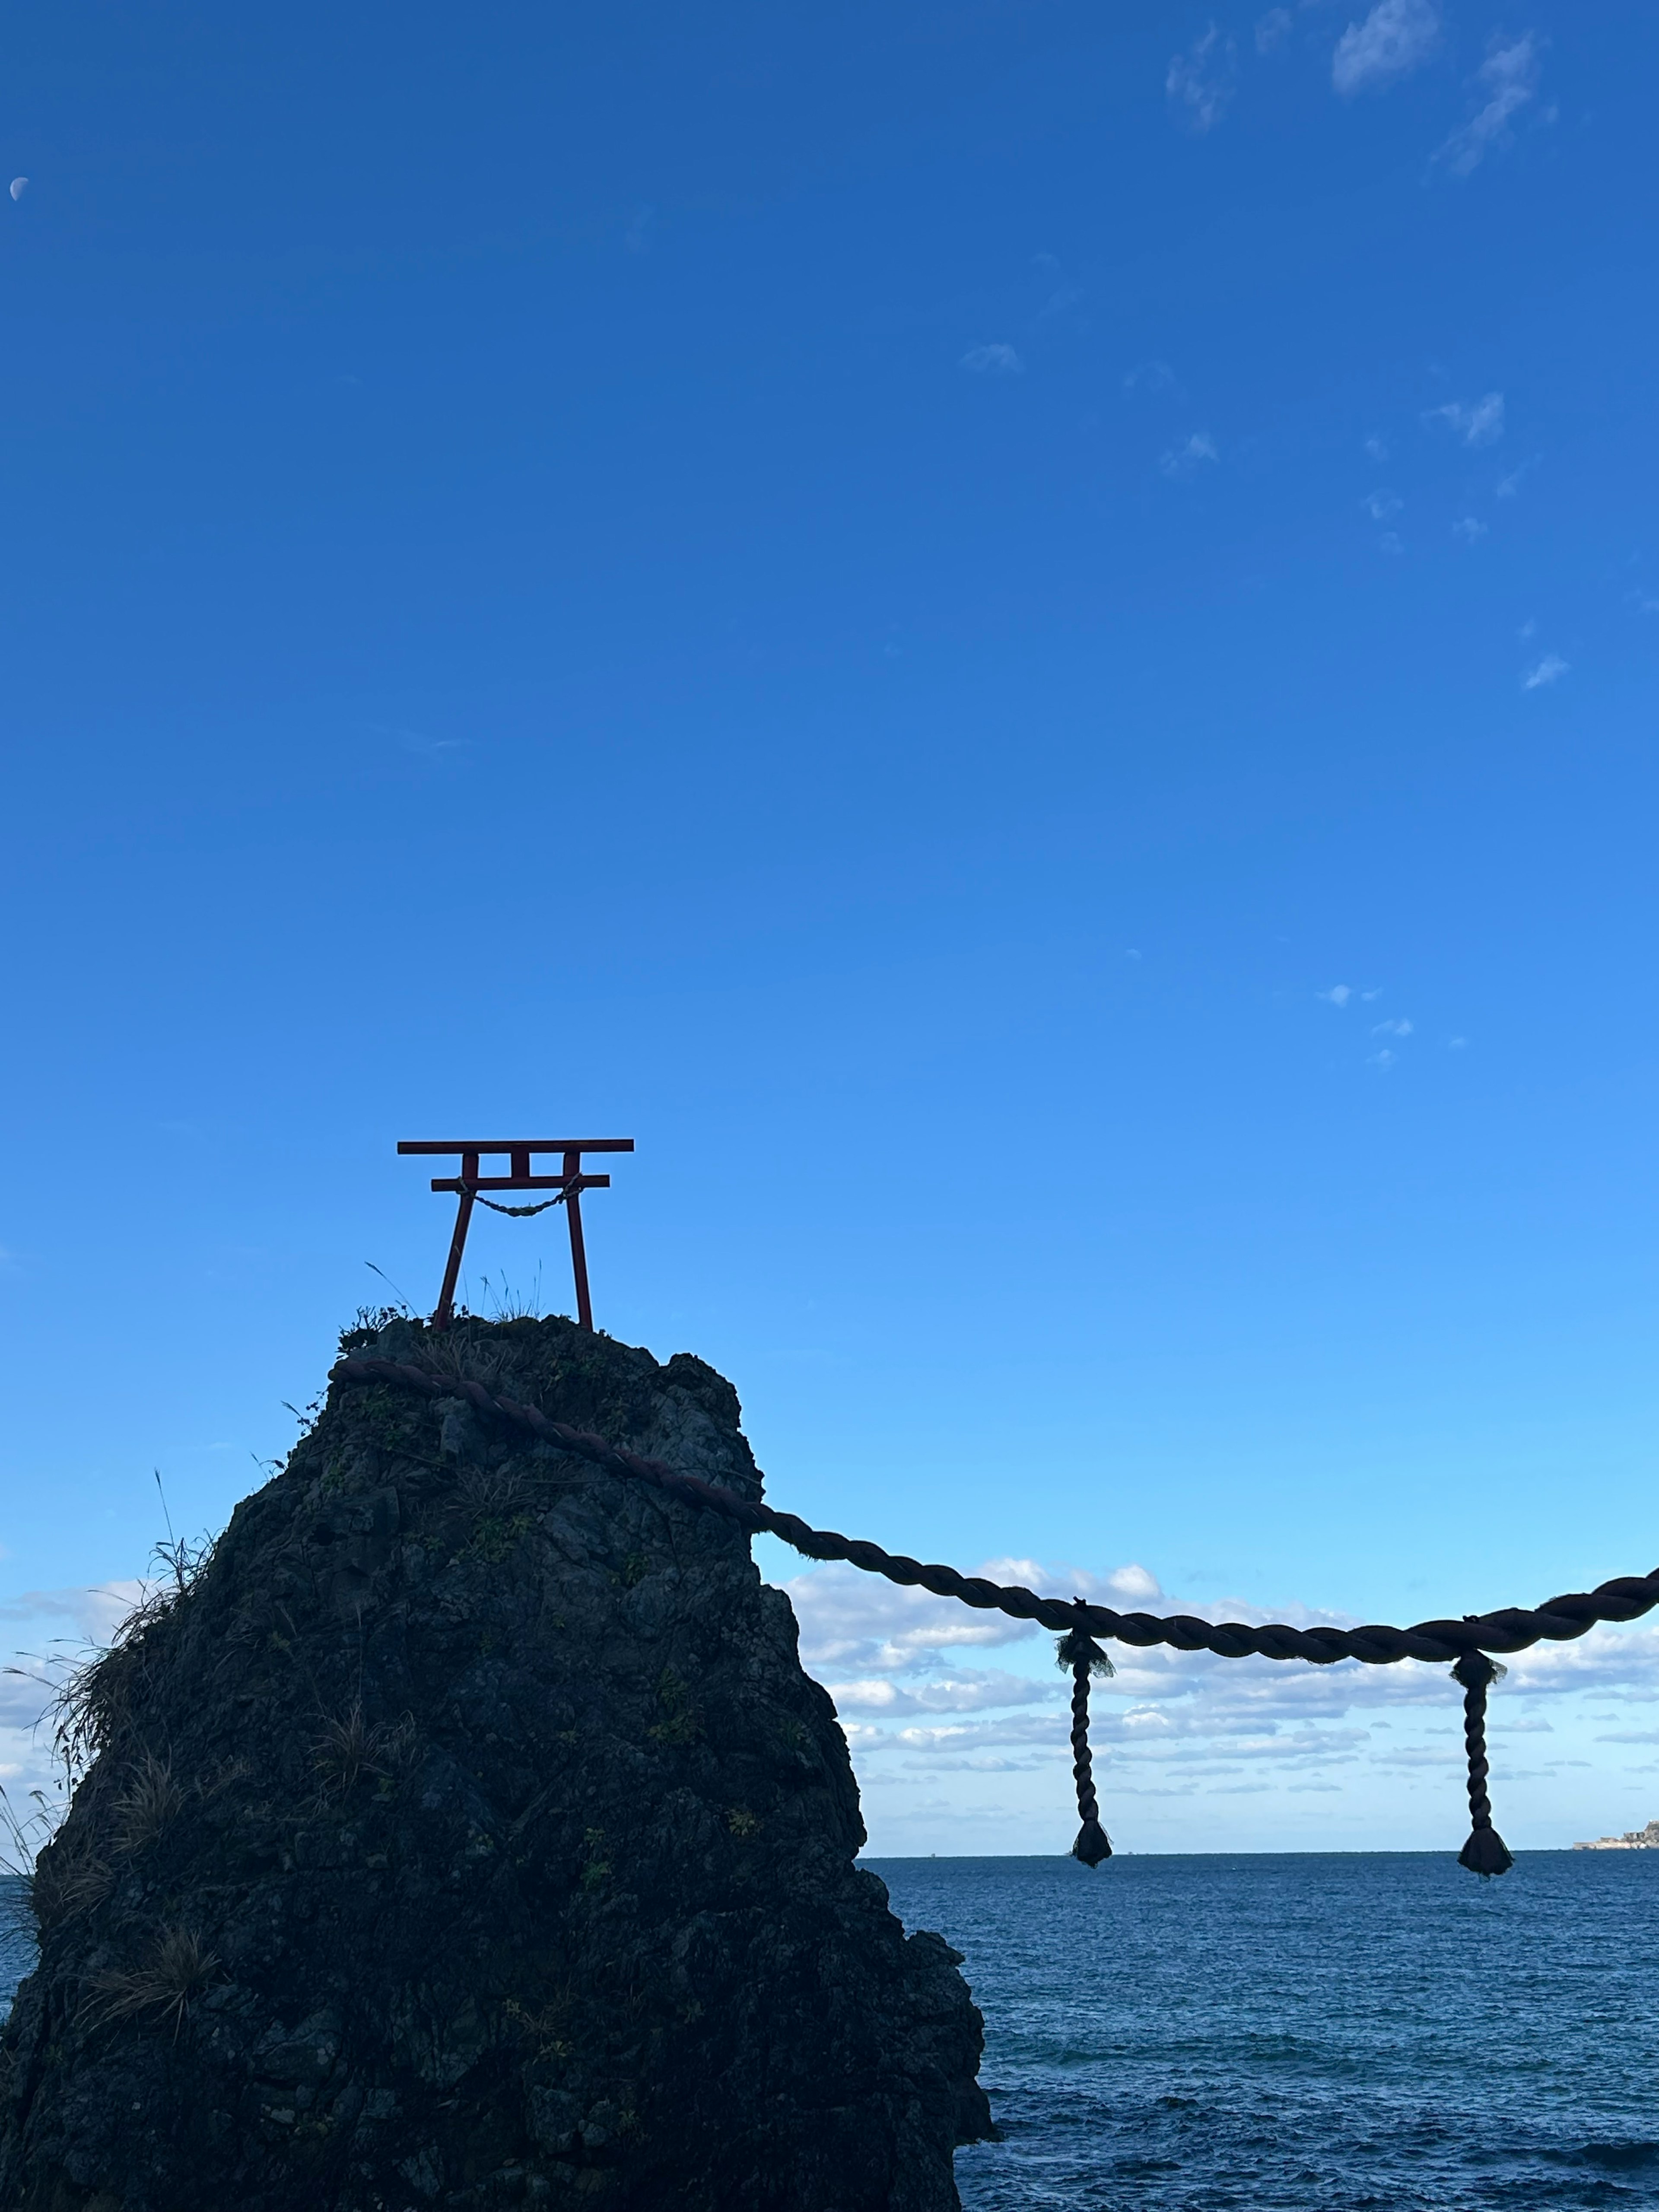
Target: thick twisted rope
(1513,1628)
(1485,1852)
(1084,1657)
(1465,1642)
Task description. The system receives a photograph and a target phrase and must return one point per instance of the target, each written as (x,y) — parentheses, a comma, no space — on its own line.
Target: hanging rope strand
(1080,1651)
(1485,1853)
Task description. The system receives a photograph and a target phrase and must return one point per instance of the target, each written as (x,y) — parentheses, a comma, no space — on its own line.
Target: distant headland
(1633,1839)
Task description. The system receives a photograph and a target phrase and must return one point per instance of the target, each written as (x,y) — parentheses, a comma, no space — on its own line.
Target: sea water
(1283,2033)
(1288,2034)
(16,1938)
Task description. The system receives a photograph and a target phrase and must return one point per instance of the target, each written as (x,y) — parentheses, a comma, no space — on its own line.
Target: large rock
(467,1833)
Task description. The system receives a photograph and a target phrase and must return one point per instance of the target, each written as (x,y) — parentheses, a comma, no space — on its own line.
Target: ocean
(1284,2033)
(1290,2033)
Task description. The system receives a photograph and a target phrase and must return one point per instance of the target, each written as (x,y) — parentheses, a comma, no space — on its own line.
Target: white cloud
(95,1613)
(1470,529)
(966,1691)
(1149,376)
(1482,424)
(993,361)
(1397,36)
(1508,486)
(1509,80)
(1399,1027)
(1199,83)
(853,1620)
(1338,995)
(1549,669)
(1383,1060)
(57,1627)
(1457,1044)
(1186,459)
(1381,505)
(1273,29)
(1390,542)
(1375,449)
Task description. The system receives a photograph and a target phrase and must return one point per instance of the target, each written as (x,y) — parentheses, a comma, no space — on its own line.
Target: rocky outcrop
(466,1832)
(1633,1839)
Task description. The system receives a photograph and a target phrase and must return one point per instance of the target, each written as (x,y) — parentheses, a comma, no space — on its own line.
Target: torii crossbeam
(570,1184)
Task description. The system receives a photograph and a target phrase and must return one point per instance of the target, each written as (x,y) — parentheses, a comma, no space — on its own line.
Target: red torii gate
(569,1184)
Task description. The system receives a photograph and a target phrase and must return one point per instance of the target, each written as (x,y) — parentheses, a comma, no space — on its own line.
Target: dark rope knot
(1078,1653)
(1485,1853)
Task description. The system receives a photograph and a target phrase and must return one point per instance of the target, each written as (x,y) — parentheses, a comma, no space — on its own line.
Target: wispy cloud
(1375,449)
(1338,995)
(93,1614)
(1469,528)
(1149,376)
(851,1622)
(1273,29)
(1381,505)
(1508,486)
(1481,424)
(1399,1027)
(1382,1061)
(1060,302)
(992,360)
(1199,83)
(1549,669)
(1508,80)
(1397,36)
(965,1692)
(1186,459)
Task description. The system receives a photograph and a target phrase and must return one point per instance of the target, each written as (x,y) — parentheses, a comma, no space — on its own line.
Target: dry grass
(454,1353)
(146,1805)
(93,1704)
(161,1992)
(348,1748)
(65,1884)
(59,1881)
(488,1494)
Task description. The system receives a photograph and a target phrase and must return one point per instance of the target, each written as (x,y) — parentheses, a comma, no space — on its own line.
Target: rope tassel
(1485,1853)
(1078,1650)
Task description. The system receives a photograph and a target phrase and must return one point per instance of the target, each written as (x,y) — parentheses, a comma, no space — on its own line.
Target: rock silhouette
(466,1832)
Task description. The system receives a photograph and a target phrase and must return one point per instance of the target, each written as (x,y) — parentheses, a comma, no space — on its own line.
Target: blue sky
(1022,639)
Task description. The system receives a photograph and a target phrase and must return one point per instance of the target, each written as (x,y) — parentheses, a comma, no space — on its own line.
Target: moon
(19,187)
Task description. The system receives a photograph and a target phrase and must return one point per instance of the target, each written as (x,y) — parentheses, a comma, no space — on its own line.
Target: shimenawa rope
(1512,1628)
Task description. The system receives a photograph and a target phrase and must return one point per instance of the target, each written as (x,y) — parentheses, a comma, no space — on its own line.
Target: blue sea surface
(16,1938)
(1288,2033)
